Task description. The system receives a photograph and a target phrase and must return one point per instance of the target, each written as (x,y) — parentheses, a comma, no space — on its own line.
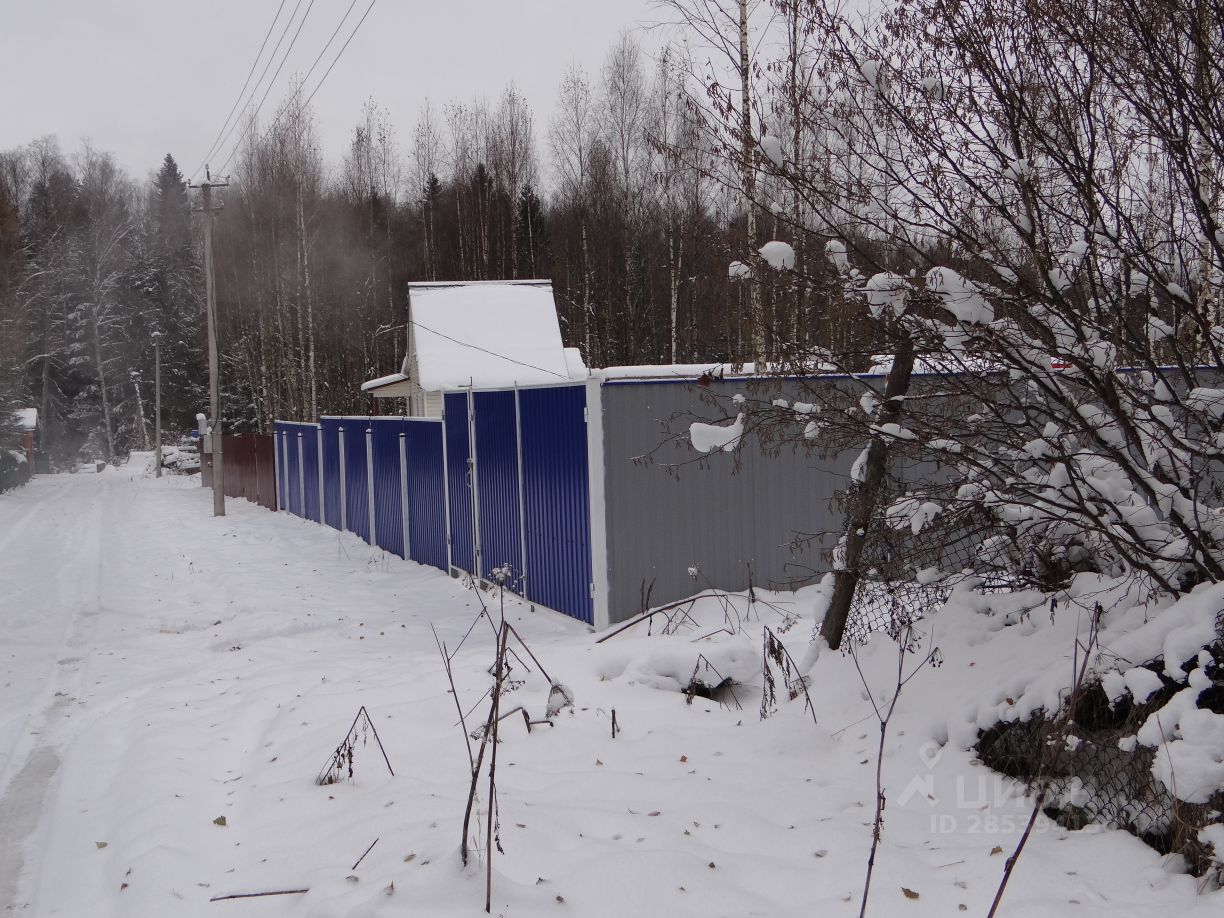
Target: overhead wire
(245,83)
(342,48)
(313,66)
(477,347)
(271,83)
(335,32)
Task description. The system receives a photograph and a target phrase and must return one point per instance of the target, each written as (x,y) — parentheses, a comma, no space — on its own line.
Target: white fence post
(370,484)
(343,484)
(285,471)
(403,457)
(276,461)
(301,478)
(446,489)
(597,506)
(522,503)
(471,406)
(322,499)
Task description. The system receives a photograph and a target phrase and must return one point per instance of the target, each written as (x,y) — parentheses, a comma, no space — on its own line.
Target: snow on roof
(27,418)
(492,333)
(676,371)
(577,366)
(388,380)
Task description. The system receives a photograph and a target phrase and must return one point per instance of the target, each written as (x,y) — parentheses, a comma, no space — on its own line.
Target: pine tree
(170,279)
(531,233)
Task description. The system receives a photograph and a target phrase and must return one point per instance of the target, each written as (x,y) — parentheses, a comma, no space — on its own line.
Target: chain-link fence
(909,570)
(1096,773)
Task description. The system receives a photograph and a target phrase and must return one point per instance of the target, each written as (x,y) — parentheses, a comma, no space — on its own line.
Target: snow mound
(708,437)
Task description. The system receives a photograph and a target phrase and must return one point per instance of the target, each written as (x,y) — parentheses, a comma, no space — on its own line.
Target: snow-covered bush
(1067,366)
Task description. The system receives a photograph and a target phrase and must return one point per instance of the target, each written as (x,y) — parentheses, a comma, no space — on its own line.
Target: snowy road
(52,551)
(120,594)
(161,669)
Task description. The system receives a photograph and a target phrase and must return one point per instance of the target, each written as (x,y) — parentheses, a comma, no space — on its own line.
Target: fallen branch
(257,895)
(364,853)
(653,612)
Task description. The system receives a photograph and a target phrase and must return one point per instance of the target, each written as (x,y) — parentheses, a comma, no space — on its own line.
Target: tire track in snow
(62,620)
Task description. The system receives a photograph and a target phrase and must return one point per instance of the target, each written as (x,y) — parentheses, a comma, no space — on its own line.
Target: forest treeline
(611,199)
(742,194)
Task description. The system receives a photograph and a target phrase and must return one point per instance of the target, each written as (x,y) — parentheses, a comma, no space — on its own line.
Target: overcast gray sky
(142,78)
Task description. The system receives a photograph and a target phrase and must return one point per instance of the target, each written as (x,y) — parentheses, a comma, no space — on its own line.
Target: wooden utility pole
(214,362)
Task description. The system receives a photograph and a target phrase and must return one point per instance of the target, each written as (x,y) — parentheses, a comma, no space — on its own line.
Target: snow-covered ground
(160,669)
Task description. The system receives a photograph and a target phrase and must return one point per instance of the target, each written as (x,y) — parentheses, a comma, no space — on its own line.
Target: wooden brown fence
(250,468)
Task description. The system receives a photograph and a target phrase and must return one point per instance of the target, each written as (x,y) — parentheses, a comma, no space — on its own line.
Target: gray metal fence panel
(678,521)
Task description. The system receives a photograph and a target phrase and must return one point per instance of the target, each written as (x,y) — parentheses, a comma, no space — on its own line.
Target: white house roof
(486,334)
(384,382)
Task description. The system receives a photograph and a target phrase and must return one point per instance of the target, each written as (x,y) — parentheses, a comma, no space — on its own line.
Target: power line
(322,79)
(335,32)
(477,347)
(246,82)
(271,83)
(341,51)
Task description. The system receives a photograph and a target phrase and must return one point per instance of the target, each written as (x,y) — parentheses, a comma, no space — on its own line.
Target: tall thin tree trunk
(44,411)
(106,407)
(308,296)
(756,330)
(863,501)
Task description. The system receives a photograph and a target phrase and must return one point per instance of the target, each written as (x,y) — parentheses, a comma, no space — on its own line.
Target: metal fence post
(446,490)
(343,483)
(403,482)
(597,512)
(285,459)
(522,503)
(322,499)
(301,478)
(472,480)
(276,451)
(370,484)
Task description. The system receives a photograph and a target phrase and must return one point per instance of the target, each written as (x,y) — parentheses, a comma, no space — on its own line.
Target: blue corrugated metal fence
(459,481)
(388,506)
(426,486)
(503,476)
(556,485)
(497,482)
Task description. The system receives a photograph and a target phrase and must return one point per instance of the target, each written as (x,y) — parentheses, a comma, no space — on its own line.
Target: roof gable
(485,334)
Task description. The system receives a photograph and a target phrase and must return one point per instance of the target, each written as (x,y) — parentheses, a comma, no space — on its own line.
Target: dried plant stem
(467,813)
(494,720)
(803,682)
(905,640)
(1061,728)
(518,637)
(653,612)
(344,750)
(877,826)
(364,853)
(450,677)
